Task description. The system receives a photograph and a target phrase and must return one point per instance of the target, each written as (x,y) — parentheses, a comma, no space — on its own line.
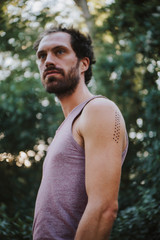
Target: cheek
(40,67)
(71,63)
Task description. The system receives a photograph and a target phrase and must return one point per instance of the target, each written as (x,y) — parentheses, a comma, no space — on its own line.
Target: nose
(50,60)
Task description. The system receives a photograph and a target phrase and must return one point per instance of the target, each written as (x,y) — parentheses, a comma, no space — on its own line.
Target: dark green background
(126,72)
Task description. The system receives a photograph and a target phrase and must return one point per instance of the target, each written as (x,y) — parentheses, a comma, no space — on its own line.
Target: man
(77,198)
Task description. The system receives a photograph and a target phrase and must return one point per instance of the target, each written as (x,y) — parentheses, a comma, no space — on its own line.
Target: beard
(65,85)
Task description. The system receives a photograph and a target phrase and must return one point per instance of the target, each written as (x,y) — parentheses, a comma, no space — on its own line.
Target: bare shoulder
(100,104)
(102,116)
(101,109)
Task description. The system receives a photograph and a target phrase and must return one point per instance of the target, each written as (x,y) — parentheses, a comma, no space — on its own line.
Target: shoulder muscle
(101,119)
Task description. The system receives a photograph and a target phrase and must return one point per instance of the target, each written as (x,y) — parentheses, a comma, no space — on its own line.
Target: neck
(68,103)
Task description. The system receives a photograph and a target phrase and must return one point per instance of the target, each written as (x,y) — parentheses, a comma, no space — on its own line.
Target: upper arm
(103,130)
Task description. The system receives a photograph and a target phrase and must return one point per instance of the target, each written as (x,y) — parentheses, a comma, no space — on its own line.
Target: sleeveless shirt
(62,196)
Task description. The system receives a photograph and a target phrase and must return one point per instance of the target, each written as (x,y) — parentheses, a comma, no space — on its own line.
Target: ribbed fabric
(62,197)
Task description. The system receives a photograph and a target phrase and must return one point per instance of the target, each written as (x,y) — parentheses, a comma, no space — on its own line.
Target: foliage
(18,190)
(16,227)
(128,67)
(27,121)
(126,40)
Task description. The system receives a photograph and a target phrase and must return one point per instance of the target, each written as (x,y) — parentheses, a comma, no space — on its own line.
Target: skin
(55,51)
(95,129)
(103,168)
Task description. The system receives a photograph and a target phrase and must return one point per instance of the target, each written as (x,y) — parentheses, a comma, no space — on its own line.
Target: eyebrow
(40,52)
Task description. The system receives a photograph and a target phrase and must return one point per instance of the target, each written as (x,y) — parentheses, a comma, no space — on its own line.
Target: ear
(84,64)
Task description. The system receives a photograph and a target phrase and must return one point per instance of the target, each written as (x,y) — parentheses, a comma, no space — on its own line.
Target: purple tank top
(62,197)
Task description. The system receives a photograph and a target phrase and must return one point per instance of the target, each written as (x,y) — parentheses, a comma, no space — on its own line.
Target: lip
(52,72)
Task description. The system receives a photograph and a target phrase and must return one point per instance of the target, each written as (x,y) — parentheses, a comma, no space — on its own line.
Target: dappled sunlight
(127,71)
(70,13)
(26,158)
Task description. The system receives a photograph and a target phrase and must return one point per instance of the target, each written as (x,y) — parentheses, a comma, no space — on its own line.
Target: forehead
(55,39)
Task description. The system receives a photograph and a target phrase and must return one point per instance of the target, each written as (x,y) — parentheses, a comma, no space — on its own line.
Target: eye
(41,56)
(60,51)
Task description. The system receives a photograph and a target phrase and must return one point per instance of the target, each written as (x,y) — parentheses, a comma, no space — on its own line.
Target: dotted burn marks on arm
(116,134)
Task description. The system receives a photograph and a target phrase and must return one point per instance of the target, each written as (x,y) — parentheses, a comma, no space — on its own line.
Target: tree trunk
(84,7)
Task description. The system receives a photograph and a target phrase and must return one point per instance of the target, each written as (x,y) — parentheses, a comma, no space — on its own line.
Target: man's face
(58,64)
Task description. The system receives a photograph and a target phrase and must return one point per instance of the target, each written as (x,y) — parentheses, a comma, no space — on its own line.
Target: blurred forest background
(126,37)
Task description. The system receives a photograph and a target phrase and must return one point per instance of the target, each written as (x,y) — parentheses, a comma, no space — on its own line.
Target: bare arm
(102,128)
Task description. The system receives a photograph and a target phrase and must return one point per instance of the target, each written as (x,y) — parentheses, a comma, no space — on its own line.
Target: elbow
(110,211)
(105,211)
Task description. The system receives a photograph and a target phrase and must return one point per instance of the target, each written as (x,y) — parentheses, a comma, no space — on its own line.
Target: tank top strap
(78,109)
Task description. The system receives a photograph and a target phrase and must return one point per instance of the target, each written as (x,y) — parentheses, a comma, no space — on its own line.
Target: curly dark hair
(81,44)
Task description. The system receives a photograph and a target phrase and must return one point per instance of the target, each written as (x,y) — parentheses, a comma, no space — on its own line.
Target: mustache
(52,69)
